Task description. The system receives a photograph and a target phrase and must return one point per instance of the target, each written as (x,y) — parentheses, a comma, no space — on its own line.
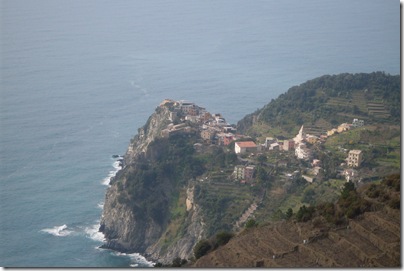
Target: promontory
(314,172)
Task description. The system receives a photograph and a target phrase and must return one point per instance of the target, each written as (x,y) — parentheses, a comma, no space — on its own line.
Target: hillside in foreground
(372,239)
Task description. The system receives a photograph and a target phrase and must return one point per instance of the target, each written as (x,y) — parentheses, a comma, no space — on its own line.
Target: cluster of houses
(181,112)
(346,126)
(214,129)
(302,151)
(298,144)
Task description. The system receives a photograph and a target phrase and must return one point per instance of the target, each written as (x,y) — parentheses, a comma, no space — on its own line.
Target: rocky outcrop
(183,247)
(137,209)
(126,230)
(147,134)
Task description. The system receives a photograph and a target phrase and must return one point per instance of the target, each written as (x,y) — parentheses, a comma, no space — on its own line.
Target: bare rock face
(147,134)
(137,222)
(183,247)
(125,230)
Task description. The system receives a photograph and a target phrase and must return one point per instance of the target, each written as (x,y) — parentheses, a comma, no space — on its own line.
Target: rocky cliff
(180,182)
(149,207)
(183,246)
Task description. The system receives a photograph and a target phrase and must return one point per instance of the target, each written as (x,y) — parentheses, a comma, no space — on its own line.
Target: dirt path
(246,215)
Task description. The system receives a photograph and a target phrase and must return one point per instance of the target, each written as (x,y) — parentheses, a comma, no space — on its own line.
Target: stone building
(288,145)
(245,173)
(354,158)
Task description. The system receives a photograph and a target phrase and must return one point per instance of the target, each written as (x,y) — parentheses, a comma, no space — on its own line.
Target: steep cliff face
(183,247)
(138,209)
(124,229)
(147,134)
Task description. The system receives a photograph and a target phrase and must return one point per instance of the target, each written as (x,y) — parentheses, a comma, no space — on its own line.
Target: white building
(245,146)
(269,141)
(358,123)
(300,137)
(302,152)
(274,146)
(351,175)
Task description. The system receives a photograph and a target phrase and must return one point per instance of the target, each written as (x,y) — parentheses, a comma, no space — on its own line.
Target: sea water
(78,78)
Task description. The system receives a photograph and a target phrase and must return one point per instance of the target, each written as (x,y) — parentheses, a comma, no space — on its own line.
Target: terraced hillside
(326,101)
(378,109)
(372,239)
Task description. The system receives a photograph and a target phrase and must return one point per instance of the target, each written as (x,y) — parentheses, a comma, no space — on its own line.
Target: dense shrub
(289,213)
(201,248)
(251,223)
(305,213)
(348,188)
(178,262)
(393,181)
(395,203)
(223,238)
(373,191)
(327,210)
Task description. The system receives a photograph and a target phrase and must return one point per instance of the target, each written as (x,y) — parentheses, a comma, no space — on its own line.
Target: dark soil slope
(371,239)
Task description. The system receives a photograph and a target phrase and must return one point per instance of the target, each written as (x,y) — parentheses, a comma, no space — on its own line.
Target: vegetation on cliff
(179,197)
(327,101)
(360,229)
(154,186)
(169,164)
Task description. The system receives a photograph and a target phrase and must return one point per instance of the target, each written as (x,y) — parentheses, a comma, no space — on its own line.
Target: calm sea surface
(78,78)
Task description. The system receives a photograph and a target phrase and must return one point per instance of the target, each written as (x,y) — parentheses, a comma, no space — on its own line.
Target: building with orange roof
(245,146)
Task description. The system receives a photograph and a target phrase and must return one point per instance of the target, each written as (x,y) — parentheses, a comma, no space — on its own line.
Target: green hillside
(327,101)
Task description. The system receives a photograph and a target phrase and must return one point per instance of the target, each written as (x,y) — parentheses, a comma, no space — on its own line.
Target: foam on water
(82,98)
(93,233)
(136,259)
(112,173)
(58,231)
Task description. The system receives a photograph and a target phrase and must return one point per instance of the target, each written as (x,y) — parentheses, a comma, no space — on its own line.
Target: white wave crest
(58,231)
(93,233)
(117,167)
(136,259)
(106,181)
(100,205)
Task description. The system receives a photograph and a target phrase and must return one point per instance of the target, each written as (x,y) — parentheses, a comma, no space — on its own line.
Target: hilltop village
(188,176)
(214,130)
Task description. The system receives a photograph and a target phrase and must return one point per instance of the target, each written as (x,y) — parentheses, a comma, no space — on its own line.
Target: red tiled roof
(246,144)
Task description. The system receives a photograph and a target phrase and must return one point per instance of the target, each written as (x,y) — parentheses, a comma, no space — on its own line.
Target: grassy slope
(321,104)
(327,101)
